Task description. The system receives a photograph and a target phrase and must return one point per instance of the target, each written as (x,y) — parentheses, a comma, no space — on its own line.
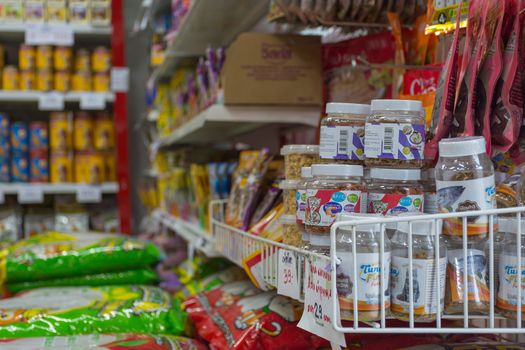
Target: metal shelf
(33,96)
(66,188)
(16,30)
(220,122)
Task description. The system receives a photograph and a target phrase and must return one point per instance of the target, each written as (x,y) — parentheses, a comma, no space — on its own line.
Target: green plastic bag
(143,277)
(63,311)
(55,255)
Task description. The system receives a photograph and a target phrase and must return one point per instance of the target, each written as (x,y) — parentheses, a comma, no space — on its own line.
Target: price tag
(51,101)
(287,280)
(93,101)
(318,302)
(119,79)
(49,34)
(89,194)
(30,195)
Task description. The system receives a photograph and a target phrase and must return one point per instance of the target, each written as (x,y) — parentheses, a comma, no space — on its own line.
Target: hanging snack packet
(397,80)
(442,112)
(83,310)
(443,14)
(344,8)
(508,110)
(490,72)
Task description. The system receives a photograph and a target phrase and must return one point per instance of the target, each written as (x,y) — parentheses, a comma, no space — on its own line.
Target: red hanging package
(445,96)
(508,110)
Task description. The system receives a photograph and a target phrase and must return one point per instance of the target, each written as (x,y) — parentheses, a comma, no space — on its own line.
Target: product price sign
(51,101)
(318,302)
(89,194)
(119,79)
(30,195)
(93,101)
(49,34)
(287,280)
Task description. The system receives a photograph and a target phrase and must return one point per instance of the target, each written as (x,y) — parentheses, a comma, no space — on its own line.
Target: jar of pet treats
(298,156)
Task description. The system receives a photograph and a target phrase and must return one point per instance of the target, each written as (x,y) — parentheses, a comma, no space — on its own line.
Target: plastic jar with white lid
(320,244)
(395,191)
(465,182)
(428,180)
(343,132)
(300,196)
(509,277)
(289,188)
(298,156)
(395,134)
(335,188)
(424,282)
(291,233)
(367,259)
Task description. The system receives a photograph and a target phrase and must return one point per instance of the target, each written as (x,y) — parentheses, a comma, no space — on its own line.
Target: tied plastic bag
(85,310)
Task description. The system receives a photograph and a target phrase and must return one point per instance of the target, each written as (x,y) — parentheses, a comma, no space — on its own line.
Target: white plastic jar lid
(306,172)
(299,149)
(423,227)
(396,174)
(288,184)
(462,146)
(396,105)
(337,170)
(320,240)
(353,217)
(350,108)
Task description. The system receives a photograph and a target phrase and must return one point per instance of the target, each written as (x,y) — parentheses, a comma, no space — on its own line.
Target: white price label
(51,101)
(120,79)
(30,195)
(287,280)
(318,302)
(93,101)
(49,34)
(89,194)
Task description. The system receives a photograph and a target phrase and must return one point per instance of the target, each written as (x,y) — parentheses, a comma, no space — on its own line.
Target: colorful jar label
(509,279)
(477,283)
(342,142)
(424,285)
(300,197)
(324,205)
(367,281)
(431,206)
(394,204)
(402,141)
(466,195)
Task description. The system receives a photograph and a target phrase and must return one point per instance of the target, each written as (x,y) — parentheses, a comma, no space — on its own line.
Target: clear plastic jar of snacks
(334,189)
(428,180)
(424,282)
(306,176)
(343,132)
(395,191)
(395,134)
(291,234)
(465,182)
(478,295)
(509,275)
(289,188)
(320,244)
(367,261)
(298,156)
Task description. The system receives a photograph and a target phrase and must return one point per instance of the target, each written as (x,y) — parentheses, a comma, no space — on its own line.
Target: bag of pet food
(231,274)
(143,277)
(63,311)
(56,255)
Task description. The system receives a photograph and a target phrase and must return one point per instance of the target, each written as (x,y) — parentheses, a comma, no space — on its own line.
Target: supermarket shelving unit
(33,96)
(63,188)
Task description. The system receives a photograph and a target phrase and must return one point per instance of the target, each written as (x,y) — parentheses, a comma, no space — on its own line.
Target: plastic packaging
(335,188)
(395,191)
(423,270)
(465,181)
(298,156)
(343,132)
(428,180)
(306,176)
(395,134)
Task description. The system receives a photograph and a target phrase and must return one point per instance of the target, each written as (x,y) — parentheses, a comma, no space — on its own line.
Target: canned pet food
(26,57)
(82,60)
(44,80)
(10,78)
(62,58)
(111,166)
(27,80)
(39,169)
(101,60)
(101,82)
(20,167)
(19,137)
(44,57)
(62,81)
(4,169)
(61,131)
(82,81)
(89,167)
(39,138)
(61,167)
(83,131)
(103,132)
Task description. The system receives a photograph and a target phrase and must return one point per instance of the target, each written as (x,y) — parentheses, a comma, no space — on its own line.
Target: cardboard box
(35,11)
(11,10)
(273,69)
(101,12)
(56,11)
(79,12)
